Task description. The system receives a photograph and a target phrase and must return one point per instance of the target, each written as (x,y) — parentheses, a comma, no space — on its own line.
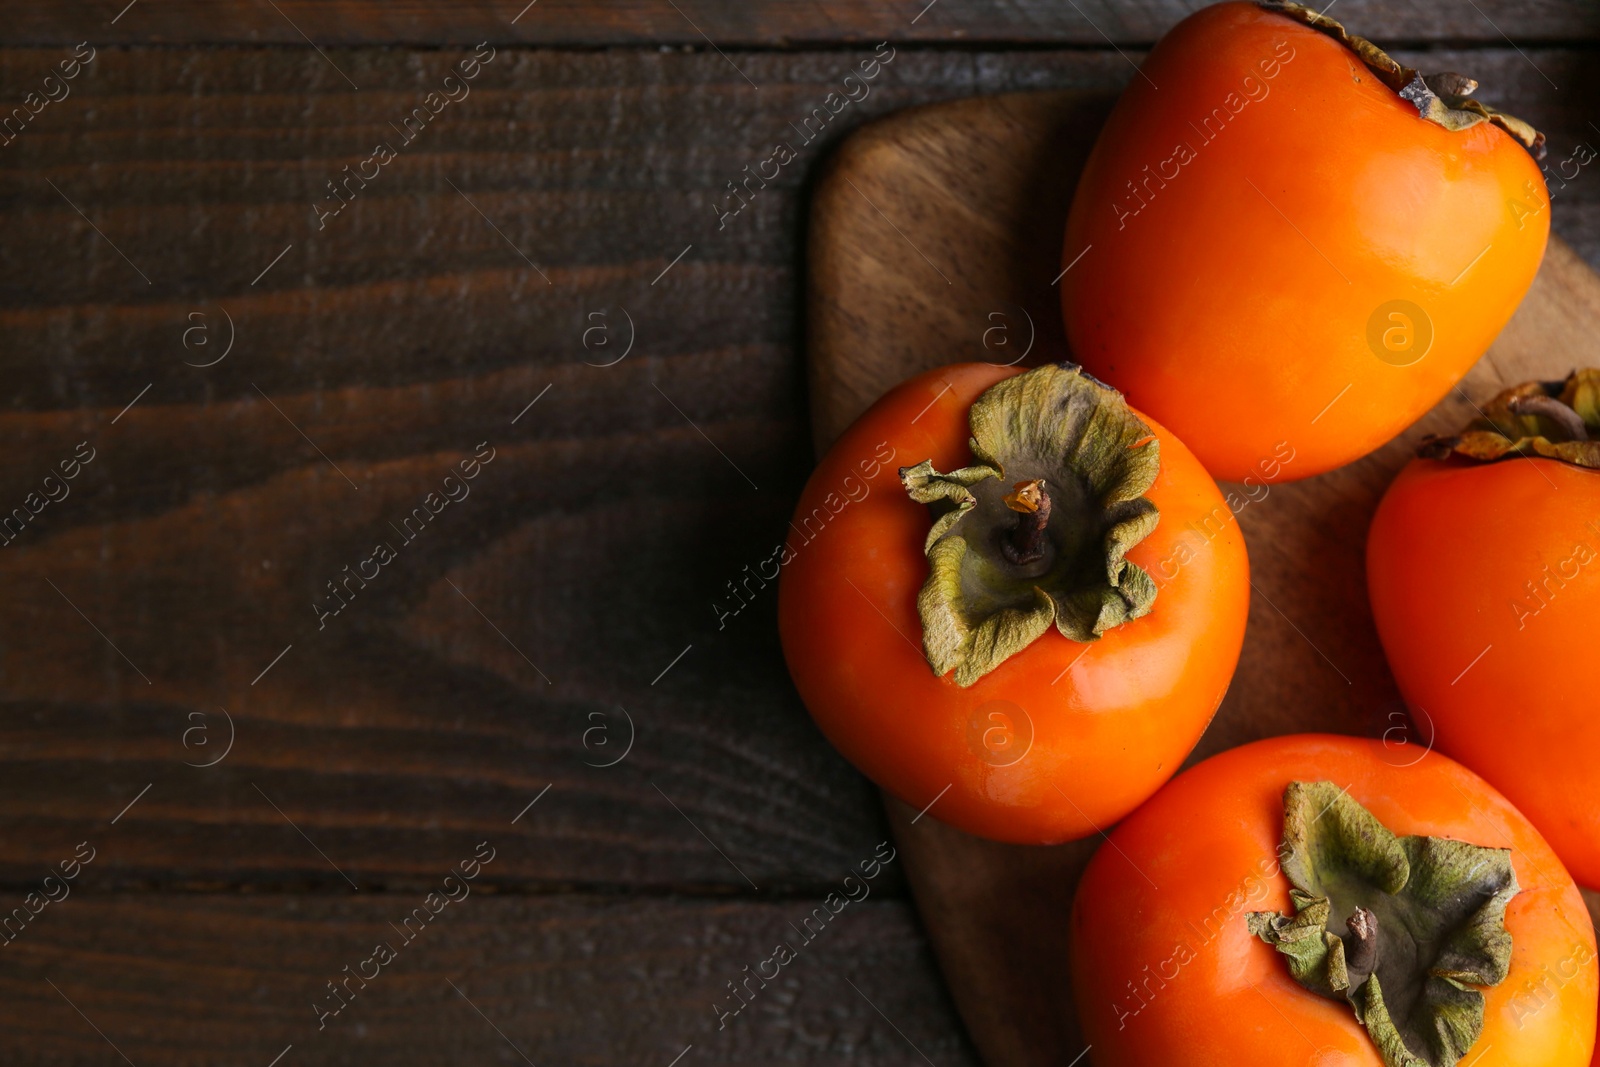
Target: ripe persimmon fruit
(1483,568)
(1009,596)
(1284,234)
(1312,900)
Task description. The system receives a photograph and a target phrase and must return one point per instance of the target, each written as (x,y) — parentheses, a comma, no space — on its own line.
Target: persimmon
(1284,234)
(1305,900)
(1032,642)
(1483,568)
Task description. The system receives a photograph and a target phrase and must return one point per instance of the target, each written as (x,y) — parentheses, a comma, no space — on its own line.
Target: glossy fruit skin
(1457,562)
(1215,994)
(1235,305)
(1110,721)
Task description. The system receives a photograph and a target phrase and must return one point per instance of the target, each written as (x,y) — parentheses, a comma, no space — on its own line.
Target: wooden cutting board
(935,237)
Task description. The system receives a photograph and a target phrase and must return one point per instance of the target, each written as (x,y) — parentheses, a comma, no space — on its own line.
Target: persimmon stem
(1449,83)
(1362,957)
(1024,544)
(1554,410)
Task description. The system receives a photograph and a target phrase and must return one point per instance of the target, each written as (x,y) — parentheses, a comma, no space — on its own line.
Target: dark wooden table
(277,739)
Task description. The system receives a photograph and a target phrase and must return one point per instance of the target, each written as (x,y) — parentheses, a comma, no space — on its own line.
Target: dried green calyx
(1444,98)
(1035,532)
(1556,420)
(1406,930)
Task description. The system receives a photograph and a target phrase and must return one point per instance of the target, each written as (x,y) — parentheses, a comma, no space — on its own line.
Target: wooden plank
(398,338)
(198,979)
(735,23)
(985,183)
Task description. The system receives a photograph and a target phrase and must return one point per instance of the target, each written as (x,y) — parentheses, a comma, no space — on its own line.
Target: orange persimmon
(1253,907)
(1283,235)
(1483,567)
(1034,641)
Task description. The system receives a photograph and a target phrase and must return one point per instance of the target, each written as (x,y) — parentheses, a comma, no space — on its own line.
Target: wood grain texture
(736,23)
(982,186)
(194,979)
(593,551)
